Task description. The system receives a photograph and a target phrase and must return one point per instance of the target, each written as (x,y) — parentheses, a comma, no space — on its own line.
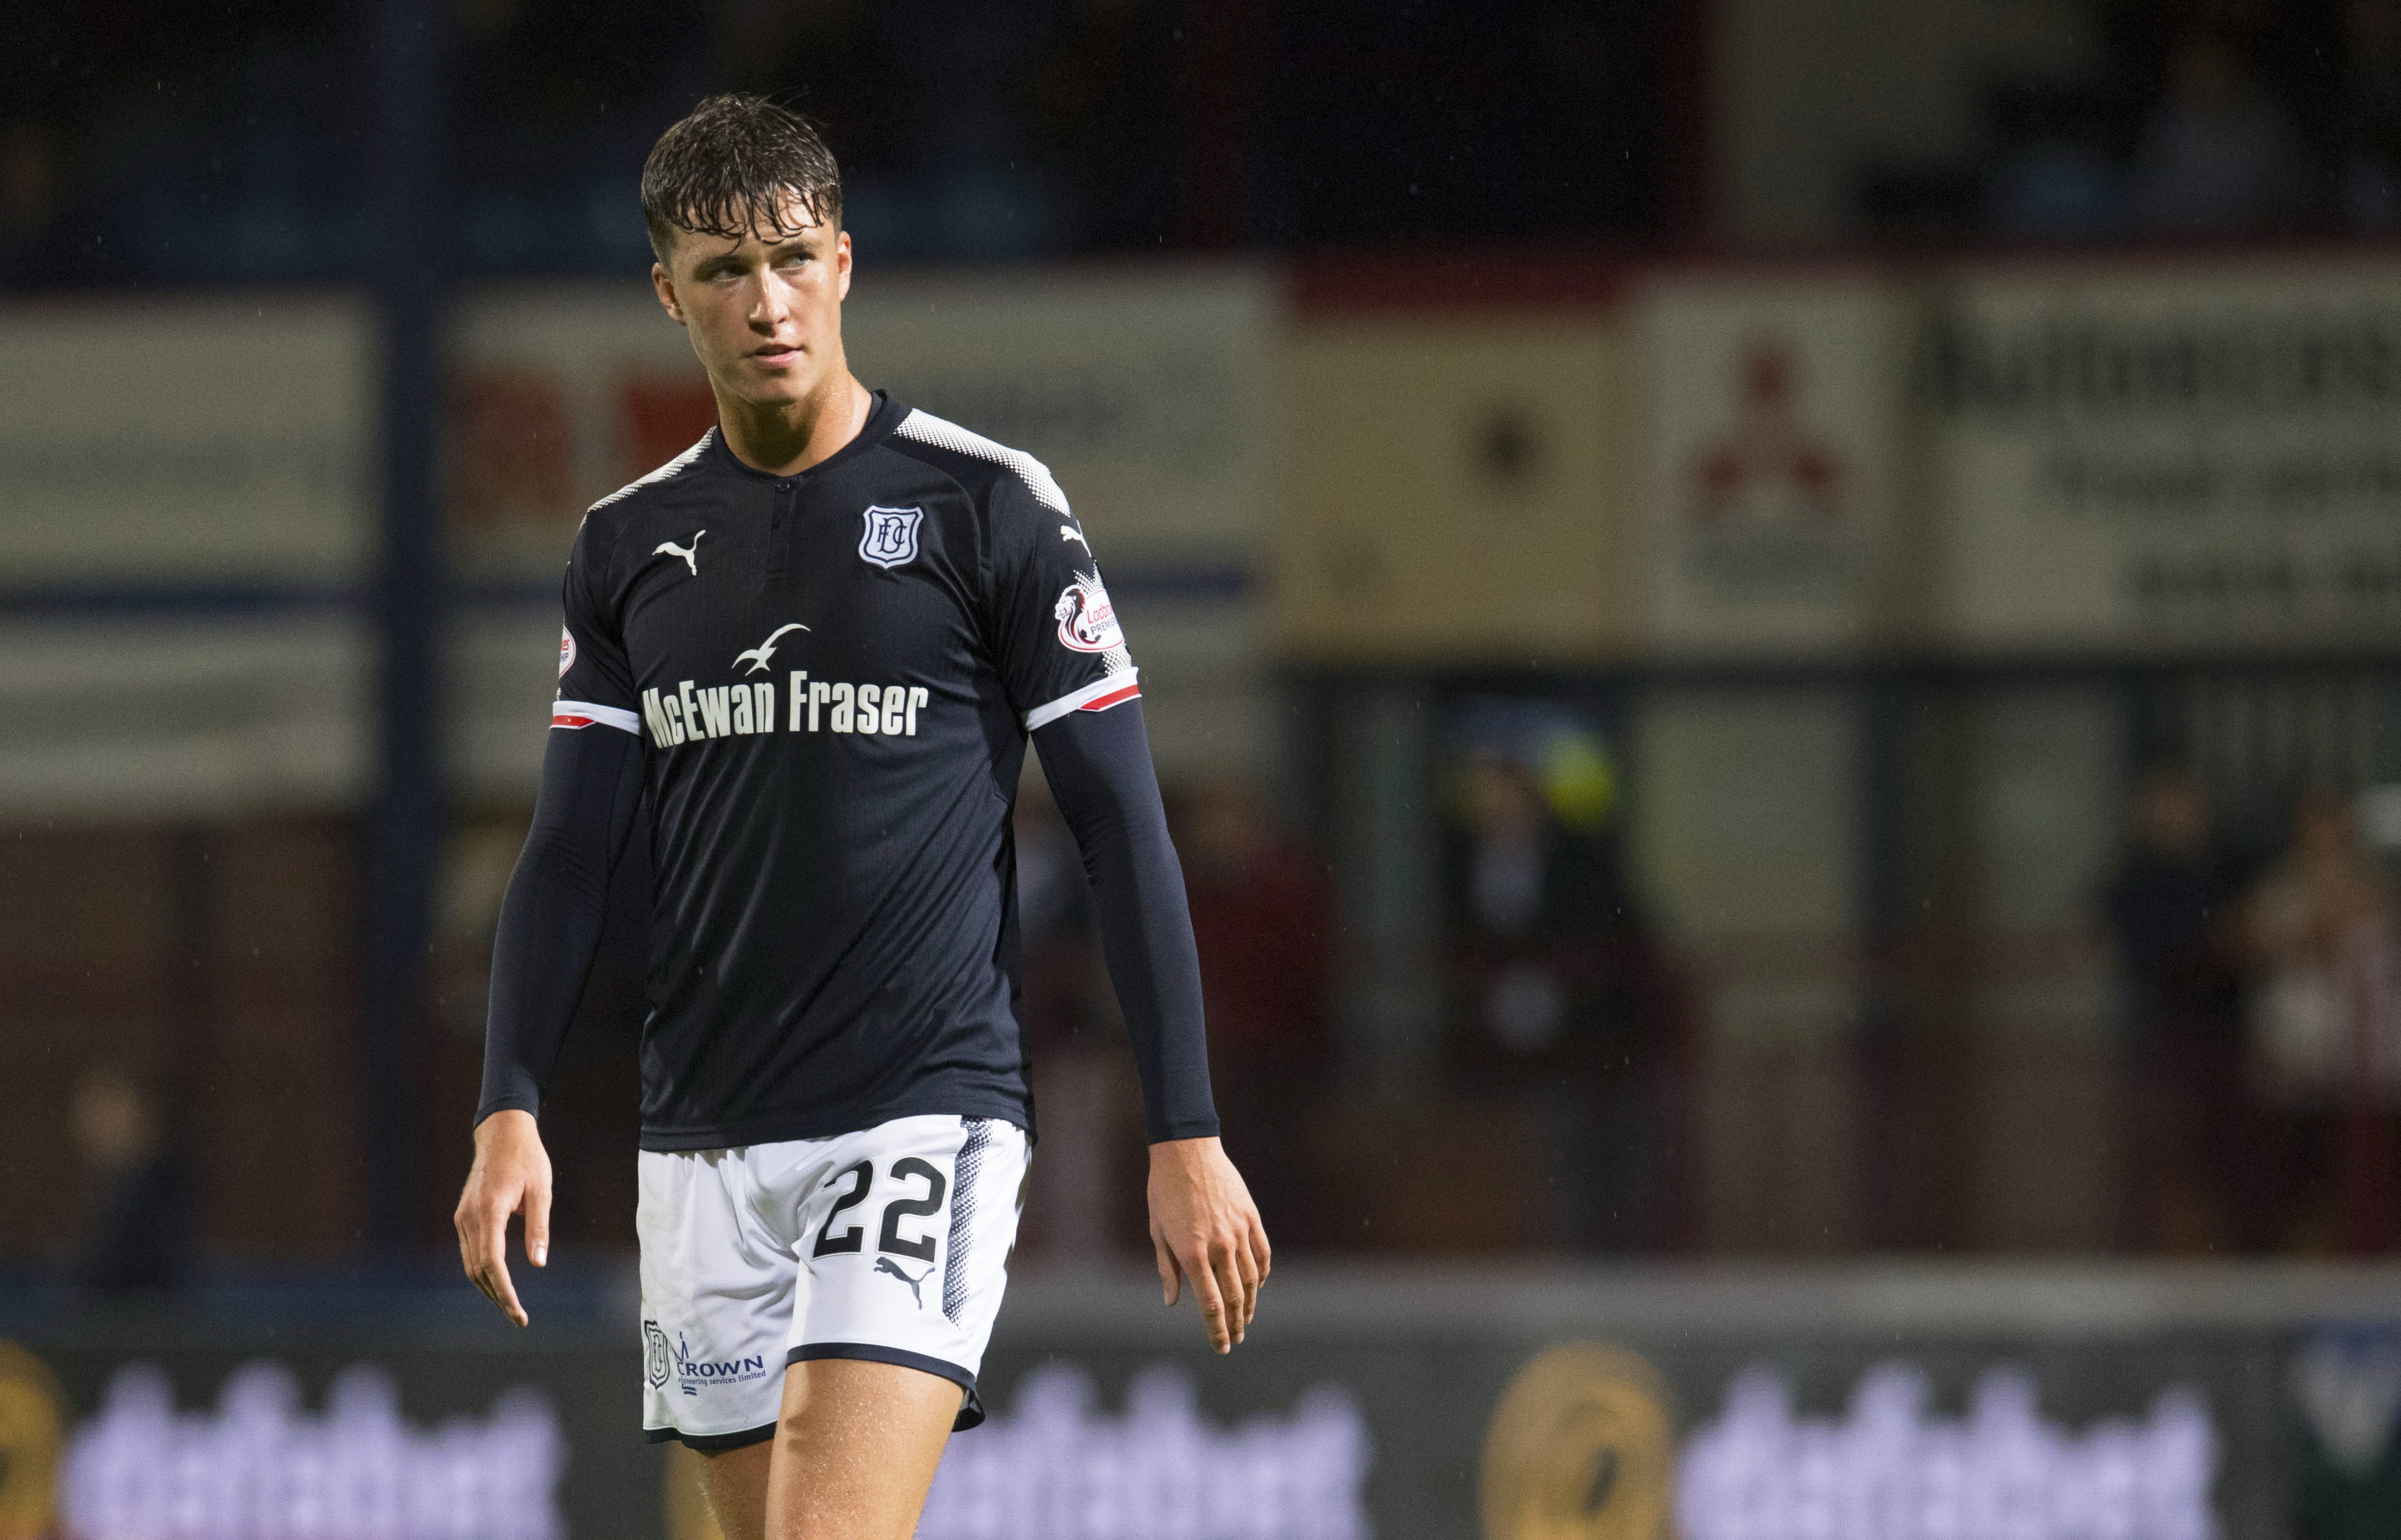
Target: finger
(496,1268)
(503,1291)
(471,1257)
(1259,1247)
(1170,1277)
(1227,1274)
(1247,1266)
(537,1224)
(1213,1301)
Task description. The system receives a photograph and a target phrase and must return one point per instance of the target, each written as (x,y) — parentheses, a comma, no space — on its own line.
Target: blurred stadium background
(1775,637)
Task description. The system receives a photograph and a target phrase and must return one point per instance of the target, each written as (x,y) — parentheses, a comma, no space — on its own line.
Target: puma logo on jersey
(885,1265)
(756,657)
(1069,532)
(690,554)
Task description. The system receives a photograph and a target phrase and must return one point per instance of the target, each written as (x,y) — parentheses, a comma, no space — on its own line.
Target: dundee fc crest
(655,1354)
(891,538)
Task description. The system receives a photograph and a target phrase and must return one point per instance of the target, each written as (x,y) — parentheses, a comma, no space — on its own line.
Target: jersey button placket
(780,531)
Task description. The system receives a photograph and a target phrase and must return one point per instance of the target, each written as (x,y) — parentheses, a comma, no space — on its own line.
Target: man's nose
(770,305)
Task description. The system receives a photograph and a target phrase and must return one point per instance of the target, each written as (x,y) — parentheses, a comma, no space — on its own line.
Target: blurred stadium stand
(1774,632)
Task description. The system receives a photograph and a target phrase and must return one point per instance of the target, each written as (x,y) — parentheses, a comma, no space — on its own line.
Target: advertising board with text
(2166,457)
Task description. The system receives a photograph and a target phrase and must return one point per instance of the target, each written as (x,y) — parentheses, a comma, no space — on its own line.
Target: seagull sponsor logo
(757,656)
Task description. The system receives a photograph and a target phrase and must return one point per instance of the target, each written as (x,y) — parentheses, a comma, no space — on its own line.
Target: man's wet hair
(729,167)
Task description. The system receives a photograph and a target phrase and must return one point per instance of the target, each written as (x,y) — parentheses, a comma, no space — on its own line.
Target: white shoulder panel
(927,428)
(667,472)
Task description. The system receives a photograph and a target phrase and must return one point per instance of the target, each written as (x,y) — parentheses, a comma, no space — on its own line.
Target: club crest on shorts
(566,651)
(656,1364)
(891,536)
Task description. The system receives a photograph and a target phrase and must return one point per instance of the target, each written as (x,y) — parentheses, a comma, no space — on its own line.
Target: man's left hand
(1205,1228)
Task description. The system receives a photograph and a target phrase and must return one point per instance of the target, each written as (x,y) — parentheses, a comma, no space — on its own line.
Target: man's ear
(665,287)
(841,264)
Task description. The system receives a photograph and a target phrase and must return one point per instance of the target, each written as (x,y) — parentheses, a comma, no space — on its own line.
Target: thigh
(727,1489)
(856,1450)
(717,1304)
(905,1255)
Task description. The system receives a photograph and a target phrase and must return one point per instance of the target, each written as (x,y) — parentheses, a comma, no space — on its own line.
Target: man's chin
(755,386)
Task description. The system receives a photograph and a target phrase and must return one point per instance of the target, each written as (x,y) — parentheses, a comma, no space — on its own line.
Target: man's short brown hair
(727,169)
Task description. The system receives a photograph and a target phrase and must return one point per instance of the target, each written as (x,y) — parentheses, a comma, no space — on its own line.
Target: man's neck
(785,437)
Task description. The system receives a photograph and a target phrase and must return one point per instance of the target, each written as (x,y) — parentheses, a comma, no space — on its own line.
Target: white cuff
(1100,695)
(583,713)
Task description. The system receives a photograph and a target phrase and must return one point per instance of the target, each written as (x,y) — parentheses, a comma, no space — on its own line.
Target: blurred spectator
(2163,906)
(144,1223)
(1565,998)
(2326,1036)
(2218,152)
(1263,917)
(1520,885)
(2181,1042)
(2367,116)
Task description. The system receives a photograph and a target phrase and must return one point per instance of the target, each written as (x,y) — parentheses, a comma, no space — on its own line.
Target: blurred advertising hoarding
(173,553)
(2166,456)
(1769,434)
(2059,457)
(1711,1407)
(219,441)
(1456,490)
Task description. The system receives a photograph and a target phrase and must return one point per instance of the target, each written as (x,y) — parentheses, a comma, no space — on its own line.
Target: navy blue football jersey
(834,674)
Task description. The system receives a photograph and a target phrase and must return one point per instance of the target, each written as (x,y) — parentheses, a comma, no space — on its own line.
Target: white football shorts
(889,1245)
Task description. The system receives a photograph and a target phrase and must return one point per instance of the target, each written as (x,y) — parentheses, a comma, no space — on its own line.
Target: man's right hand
(511,1175)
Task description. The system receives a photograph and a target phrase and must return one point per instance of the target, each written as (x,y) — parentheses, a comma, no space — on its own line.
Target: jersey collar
(884,414)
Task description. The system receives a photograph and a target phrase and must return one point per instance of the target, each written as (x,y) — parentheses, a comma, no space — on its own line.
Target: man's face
(764,312)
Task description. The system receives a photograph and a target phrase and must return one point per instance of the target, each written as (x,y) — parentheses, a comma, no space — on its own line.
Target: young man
(800,666)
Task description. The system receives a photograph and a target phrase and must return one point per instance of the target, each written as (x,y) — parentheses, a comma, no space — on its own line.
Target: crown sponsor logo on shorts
(1088,622)
(891,538)
(657,1365)
(695,1374)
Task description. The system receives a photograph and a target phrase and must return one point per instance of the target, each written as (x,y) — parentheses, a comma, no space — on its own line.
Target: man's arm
(1202,1223)
(550,923)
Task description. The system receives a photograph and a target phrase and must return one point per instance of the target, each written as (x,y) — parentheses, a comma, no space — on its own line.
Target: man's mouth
(776,352)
